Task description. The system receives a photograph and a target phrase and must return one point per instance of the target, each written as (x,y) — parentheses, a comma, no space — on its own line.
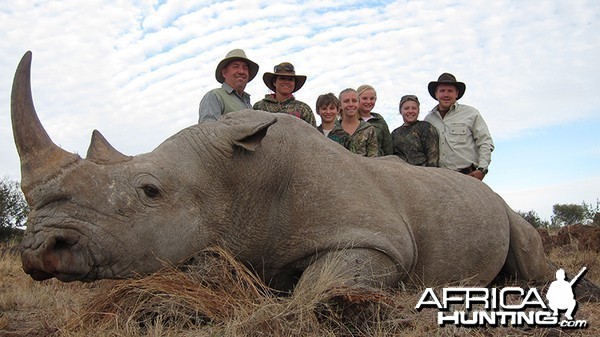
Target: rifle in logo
(560,293)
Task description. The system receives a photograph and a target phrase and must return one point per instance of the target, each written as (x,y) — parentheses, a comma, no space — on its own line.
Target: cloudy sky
(136,71)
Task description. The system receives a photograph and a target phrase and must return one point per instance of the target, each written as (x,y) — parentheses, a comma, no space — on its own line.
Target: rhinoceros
(270,189)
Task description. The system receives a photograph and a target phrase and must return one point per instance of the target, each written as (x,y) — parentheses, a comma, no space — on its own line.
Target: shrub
(13,209)
(569,214)
(533,218)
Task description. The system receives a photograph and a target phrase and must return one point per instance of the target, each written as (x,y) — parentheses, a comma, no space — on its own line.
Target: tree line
(14,210)
(566,214)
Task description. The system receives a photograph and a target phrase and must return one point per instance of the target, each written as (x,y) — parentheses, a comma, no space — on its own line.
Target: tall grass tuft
(215,295)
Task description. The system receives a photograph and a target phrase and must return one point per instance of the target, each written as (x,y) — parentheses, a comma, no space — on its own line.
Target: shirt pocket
(458,133)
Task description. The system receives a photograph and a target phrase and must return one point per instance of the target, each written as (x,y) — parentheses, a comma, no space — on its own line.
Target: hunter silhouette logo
(509,306)
(560,293)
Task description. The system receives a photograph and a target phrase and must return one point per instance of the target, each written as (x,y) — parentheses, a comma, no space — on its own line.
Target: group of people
(452,135)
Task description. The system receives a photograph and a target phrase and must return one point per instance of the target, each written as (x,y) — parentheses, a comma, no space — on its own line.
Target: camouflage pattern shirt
(290,106)
(363,141)
(384,139)
(417,144)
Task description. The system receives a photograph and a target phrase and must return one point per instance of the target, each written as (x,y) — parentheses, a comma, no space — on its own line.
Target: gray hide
(271,189)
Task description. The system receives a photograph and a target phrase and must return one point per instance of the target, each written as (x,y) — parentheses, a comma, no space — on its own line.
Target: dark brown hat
(447,78)
(236,54)
(284,69)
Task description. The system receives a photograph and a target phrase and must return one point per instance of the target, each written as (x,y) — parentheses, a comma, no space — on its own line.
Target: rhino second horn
(40,157)
(101,152)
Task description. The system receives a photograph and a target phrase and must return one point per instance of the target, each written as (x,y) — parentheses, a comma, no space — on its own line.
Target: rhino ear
(249,135)
(101,152)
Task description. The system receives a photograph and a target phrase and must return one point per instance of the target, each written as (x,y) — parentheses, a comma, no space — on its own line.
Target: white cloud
(137,70)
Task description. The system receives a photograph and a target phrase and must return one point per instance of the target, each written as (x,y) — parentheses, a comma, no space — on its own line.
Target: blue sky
(136,71)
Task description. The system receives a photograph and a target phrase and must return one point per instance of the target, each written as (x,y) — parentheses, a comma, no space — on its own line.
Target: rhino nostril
(61,244)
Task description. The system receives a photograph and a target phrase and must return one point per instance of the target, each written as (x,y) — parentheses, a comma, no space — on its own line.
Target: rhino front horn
(40,157)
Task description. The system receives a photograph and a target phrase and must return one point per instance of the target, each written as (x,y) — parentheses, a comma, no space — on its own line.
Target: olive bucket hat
(236,54)
(284,69)
(447,78)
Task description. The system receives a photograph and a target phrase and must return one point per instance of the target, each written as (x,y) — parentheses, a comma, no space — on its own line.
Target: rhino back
(461,227)
(310,194)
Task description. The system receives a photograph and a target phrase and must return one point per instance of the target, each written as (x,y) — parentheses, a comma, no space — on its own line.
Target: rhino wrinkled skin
(270,189)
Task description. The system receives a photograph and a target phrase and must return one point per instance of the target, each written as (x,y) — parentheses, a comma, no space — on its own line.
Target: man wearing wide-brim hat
(234,72)
(283,81)
(465,142)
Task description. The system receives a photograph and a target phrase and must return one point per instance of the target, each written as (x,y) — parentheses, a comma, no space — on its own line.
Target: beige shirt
(464,137)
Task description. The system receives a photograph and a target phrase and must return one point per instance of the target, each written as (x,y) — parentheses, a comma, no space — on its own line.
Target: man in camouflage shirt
(416,142)
(284,82)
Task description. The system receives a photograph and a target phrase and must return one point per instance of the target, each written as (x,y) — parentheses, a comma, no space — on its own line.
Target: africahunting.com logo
(510,306)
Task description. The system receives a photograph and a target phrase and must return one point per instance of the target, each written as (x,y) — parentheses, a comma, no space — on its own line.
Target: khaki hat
(446,78)
(284,69)
(236,54)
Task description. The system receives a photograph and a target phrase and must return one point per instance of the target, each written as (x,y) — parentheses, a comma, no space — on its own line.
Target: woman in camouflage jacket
(353,133)
(366,102)
(416,142)
(284,82)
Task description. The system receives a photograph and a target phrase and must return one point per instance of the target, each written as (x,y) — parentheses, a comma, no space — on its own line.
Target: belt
(468,170)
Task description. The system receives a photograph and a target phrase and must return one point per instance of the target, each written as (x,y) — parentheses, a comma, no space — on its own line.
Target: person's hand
(477,174)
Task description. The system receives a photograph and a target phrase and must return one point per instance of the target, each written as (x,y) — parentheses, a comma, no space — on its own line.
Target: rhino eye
(151,191)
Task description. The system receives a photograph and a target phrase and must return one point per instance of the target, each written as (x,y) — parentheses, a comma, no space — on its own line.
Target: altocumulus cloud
(136,70)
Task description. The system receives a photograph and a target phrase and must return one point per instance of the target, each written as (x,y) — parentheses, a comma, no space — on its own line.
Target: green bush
(13,209)
(533,218)
(570,214)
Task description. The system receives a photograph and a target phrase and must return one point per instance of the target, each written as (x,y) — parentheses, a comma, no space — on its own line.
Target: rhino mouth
(59,255)
(39,275)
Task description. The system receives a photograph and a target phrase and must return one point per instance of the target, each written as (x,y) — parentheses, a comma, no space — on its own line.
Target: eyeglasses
(287,68)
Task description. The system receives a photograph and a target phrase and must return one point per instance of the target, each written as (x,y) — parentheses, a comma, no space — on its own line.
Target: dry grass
(217,296)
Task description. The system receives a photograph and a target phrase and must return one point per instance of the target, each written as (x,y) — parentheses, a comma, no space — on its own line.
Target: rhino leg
(526,259)
(352,267)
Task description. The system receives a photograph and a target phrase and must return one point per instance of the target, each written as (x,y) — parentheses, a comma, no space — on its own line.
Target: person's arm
(483,141)
(372,145)
(432,145)
(388,144)
(211,107)
(310,116)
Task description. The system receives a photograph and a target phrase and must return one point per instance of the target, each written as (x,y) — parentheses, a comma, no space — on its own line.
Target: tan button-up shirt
(464,137)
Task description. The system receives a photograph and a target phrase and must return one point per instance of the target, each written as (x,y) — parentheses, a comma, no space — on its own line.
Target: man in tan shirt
(465,142)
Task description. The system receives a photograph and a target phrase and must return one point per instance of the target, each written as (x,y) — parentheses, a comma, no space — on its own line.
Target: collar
(230,90)
(452,108)
(271,98)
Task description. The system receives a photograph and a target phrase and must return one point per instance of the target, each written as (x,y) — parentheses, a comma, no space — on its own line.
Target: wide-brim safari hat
(447,78)
(284,69)
(236,54)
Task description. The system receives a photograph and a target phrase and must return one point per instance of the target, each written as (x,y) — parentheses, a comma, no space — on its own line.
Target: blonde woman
(353,133)
(366,102)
